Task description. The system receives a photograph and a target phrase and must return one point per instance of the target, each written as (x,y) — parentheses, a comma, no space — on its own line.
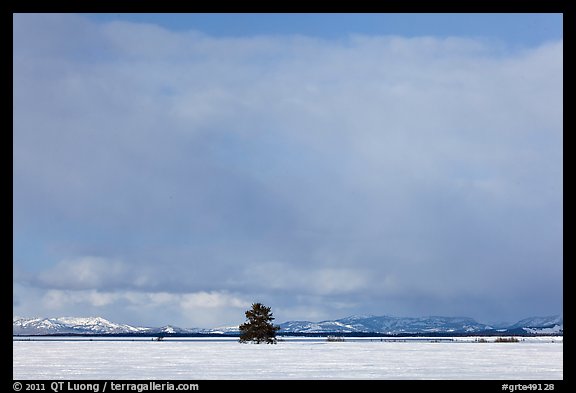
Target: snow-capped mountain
(539,322)
(540,325)
(169,329)
(71,325)
(222,330)
(353,324)
(387,325)
(99,325)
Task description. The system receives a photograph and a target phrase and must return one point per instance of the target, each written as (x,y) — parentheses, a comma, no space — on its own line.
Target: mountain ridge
(356,324)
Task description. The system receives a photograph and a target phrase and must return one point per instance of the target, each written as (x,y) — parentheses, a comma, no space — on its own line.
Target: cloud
(195,309)
(368,174)
(277,276)
(84,273)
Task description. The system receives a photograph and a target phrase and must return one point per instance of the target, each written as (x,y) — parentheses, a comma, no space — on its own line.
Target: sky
(174,169)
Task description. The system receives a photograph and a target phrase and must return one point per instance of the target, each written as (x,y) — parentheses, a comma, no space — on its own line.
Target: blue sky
(524,29)
(172,169)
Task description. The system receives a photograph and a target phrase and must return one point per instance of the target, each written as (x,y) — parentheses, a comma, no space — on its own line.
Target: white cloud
(57,299)
(309,280)
(89,272)
(84,272)
(195,309)
(210,300)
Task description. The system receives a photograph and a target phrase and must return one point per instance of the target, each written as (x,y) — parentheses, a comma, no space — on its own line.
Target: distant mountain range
(365,324)
(424,325)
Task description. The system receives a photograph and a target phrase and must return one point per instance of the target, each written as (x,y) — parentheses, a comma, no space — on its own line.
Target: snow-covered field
(538,359)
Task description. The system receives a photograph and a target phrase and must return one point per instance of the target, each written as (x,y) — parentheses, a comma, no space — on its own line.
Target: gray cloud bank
(164,177)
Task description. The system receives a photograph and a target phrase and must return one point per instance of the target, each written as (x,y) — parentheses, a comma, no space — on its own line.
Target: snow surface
(290,359)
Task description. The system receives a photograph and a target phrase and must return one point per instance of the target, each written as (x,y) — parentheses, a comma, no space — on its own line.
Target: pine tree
(258,328)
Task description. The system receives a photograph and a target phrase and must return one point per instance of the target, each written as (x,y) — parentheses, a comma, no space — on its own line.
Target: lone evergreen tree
(258,328)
